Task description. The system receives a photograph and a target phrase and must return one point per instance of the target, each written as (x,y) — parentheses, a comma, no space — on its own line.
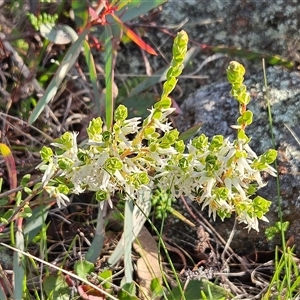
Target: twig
(19,188)
(46,136)
(229,240)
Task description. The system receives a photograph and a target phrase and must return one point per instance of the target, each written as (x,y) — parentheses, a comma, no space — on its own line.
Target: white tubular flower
(223,205)
(166,112)
(163,126)
(61,198)
(119,178)
(212,208)
(50,171)
(131,126)
(228,185)
(101,159)
(74,150)
(159,161)
(237,184)
(258,179)
(243,165)
(249,151)
(124,144)
(78,189)
(108,200)
(252,223)
(271,171)
(229,155)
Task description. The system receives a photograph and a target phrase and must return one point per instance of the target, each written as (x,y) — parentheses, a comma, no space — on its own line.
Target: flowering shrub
(219,174)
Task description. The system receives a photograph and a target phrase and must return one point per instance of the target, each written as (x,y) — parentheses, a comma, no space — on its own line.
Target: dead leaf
(148,265)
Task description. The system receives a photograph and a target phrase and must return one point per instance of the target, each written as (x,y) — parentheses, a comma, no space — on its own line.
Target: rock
(255,25)
(217,111)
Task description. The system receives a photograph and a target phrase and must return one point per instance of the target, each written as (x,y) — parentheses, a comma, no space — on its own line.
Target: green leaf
(7,215)
(81,14)
(64,163)
(83,268)
(65,141)
(106,278)
(270,155)
(63,189)
(245,118)
(216,143)
(26,212)
(163,104)
(169,85)
(261,206)
(107,136)
(200,289)
(56,288)
(101,195)
(121,113)
(242,136)
(235,72)
(156,288)
(113,164)
(36,221)
(25,179)
(127,292)
(169,138)
(37,186)
(46,153)
(95,129)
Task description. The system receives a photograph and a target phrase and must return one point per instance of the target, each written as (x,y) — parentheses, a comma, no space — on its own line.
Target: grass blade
(109,77)
(97,244)
(141,212)
(18,267)
(93,73)
(273,60)
(65,66)
(128,229)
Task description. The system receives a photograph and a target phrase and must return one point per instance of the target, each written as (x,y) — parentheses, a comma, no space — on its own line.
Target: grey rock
(217,111)
(257,25)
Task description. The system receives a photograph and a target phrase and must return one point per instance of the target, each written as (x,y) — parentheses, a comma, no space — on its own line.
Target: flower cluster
(216,174)
(135,156)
